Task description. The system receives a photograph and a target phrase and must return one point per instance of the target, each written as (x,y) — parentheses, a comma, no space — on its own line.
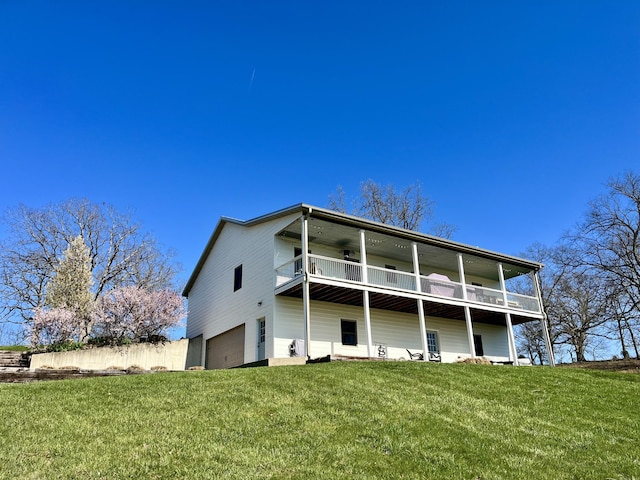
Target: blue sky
(512,115)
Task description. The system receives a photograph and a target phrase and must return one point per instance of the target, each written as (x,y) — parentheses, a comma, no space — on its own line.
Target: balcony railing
(350,271)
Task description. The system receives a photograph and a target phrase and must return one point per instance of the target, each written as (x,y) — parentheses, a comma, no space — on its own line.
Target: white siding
(215,308)
(398,331)
(213,305)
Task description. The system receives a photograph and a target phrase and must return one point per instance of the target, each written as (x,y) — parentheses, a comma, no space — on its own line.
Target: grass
(15,348)
(338,420)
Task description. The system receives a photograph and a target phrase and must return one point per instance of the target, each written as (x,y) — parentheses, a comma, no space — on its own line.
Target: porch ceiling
(436,258)
(348,296)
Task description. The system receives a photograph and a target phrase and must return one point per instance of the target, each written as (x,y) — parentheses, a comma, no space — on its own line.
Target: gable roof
(357,222)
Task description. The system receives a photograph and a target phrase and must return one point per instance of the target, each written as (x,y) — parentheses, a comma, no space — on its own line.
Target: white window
(432,342)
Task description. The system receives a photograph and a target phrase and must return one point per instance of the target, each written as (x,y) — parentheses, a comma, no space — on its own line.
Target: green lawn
(339,420)
(15,348)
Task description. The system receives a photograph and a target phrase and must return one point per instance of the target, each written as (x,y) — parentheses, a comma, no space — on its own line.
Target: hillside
(337,420)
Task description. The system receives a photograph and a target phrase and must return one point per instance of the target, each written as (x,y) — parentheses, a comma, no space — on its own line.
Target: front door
(261,339)
(477,343)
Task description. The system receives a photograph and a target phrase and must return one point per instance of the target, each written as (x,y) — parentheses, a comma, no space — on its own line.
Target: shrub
(475,361)
(63,347)
(135,368)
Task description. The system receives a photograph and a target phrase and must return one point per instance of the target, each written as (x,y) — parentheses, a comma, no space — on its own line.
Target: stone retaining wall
(171,355)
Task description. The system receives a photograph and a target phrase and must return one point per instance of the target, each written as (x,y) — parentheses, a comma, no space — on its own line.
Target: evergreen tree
(70,286)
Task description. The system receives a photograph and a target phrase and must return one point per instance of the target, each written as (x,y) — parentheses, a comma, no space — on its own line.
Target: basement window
(237,278)
(349,330)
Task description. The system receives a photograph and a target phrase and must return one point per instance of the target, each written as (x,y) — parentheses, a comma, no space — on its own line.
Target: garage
(226,350)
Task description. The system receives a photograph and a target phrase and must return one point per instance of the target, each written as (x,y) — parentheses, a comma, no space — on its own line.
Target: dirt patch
(631,365)
(26,376)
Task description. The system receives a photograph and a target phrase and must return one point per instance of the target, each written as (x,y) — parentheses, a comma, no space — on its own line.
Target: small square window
(349,330)
(237,278)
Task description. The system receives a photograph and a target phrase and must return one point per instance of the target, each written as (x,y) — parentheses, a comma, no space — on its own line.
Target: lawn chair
(415,356)
(382,350)
(434,357)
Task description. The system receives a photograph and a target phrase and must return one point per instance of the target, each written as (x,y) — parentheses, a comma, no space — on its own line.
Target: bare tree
(624,323)
(582,307)
(530,339)
(120,253)
(407,209)
(609,240)
(576,299)
(530,335)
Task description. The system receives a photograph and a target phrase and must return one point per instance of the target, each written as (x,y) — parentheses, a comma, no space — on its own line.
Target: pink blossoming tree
(123,315)
(55,326)
(132,313)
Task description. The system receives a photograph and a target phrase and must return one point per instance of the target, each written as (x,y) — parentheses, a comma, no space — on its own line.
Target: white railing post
(463,280)
(365,293)
(503,285)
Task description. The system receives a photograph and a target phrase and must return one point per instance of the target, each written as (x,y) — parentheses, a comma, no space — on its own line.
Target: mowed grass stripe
(337,420)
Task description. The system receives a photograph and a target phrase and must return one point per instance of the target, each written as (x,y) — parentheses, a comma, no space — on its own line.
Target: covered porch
(377,267)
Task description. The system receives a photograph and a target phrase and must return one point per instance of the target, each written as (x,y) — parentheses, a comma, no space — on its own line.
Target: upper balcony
(450,276)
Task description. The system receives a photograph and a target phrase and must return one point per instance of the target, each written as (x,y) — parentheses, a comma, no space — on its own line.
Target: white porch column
(513,353)
(467,317)
(467,310)
(423,328)
(365,293)
(545,328)
(305,285)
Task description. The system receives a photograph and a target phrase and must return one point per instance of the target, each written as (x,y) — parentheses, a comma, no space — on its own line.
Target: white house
(311,282)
